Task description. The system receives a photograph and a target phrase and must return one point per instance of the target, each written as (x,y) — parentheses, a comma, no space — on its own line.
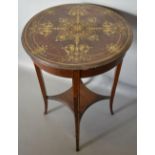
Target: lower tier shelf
(87,98)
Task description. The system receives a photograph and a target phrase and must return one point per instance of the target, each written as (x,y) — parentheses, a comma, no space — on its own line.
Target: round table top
(76,36)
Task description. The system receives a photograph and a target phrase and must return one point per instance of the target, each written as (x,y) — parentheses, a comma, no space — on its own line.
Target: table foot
(45,112)
(77,149)
(112,112)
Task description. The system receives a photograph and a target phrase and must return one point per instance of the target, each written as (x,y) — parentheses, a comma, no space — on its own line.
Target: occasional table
(77,41)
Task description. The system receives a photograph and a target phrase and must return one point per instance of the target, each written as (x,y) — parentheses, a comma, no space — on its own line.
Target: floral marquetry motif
(110,28)
(43,29)
(76,34)
(39,49)
(112,47)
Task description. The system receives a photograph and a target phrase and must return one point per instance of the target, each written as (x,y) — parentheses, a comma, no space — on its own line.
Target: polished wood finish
(84,73)
(42,86)
(117,72)
(76,100)
(77,41)
(76,36)
(87,98)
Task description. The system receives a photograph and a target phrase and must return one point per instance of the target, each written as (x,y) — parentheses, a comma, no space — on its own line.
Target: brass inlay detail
(113,47)
(112,28)
(43,29)
(75,30)
(40,49)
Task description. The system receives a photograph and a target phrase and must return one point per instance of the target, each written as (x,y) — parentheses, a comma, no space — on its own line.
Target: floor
(53,134)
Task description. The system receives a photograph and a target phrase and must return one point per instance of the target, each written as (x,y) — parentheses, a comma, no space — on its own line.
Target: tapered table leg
(76,99)
(117,73)
(42,86)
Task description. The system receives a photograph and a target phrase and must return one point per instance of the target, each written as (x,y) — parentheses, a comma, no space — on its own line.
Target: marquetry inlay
(76,34)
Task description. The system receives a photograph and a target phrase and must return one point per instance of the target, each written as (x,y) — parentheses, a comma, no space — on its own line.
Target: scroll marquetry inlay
(76,34)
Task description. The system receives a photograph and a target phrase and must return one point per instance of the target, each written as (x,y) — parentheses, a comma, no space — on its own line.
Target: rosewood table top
(76,41)
(76,36)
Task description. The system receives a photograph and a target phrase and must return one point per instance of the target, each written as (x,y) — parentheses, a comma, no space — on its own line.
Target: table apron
(83,73)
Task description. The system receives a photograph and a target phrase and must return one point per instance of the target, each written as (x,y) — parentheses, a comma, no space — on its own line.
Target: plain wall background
(28,8)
